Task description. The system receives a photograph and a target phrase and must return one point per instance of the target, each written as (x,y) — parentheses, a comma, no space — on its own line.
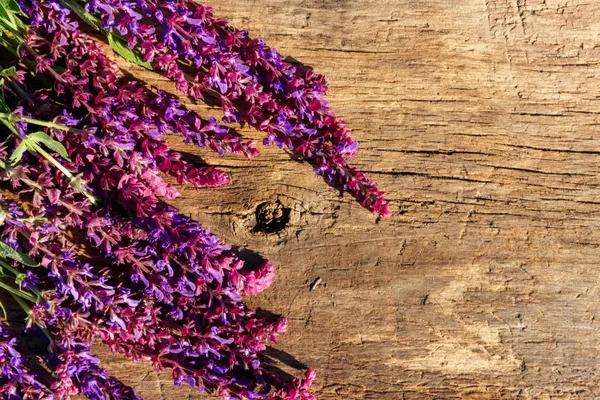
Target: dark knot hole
(271,216)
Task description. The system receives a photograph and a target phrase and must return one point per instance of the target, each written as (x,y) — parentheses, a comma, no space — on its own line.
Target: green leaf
(6,17)
(8,252)
(119,46)
(17,292)
(41,137)
(84,15)
(9,10)
(12,71)
(3,107)
(17,154)
(19,279)
(58,68)
(12,6)
(3,310)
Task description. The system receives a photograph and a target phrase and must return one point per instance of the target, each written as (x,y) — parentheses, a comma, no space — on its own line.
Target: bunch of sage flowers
(83,149)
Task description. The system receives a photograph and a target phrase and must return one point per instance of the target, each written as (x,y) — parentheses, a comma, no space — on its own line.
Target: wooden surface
(480,118)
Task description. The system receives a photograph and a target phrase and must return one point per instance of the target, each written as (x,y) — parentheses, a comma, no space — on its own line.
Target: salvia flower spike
(17,382)
(251,81)
(86,152)
(81,142)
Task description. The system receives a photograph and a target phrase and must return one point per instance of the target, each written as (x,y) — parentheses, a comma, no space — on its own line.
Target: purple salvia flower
(252,82)
(141,108)
(16,381)
(221,337)
(123,326)
(132,187)
(78,371)
(134,327)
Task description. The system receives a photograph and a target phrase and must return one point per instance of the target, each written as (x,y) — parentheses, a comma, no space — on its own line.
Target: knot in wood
(271,216)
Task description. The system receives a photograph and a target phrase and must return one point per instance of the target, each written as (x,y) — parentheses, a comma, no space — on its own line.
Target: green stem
(9,267)
(23,305)
(8,118)
(27,310)
(16,273)
(9,125)
(15,118)
(50,158)
(14,30)
(17,292)
(62,169)
(20,90)
(5,42)
(65,171)
(6,166)
(70,207)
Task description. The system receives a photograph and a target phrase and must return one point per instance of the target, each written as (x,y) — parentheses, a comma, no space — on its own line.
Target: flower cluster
(125,108)
(83,148)
(200,345)
(173,292)
(76,370)
(119,162)
(252,82)
(16,381)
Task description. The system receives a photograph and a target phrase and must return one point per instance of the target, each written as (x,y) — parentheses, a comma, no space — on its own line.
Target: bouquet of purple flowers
(83,150)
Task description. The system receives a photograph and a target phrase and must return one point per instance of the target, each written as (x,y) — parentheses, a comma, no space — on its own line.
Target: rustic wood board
(480,119)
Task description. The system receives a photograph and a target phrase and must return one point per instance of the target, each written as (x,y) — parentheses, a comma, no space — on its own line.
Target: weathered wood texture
(481,119)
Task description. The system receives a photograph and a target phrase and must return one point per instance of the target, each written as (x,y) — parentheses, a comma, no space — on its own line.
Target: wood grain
(480,119)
